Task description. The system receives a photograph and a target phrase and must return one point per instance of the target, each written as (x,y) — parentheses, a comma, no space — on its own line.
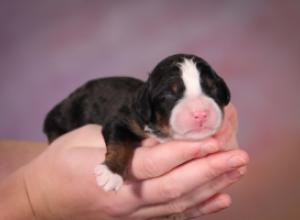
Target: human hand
(61,183)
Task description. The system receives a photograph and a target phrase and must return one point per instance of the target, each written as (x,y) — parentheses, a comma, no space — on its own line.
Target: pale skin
(178,178)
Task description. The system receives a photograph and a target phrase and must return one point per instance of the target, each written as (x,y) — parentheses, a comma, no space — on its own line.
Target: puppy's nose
(200,115)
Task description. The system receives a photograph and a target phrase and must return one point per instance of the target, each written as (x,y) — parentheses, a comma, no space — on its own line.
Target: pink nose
(200,115)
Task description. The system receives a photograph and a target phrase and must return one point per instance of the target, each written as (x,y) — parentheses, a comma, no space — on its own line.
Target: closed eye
(168,95)
(171,91)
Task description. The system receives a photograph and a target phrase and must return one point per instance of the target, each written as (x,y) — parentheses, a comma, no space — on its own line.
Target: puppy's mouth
(199,130)
(195,133)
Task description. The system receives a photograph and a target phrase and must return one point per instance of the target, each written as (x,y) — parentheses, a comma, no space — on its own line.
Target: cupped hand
(174,179)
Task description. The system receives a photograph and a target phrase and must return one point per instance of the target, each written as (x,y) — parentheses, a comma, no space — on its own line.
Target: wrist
(15,201)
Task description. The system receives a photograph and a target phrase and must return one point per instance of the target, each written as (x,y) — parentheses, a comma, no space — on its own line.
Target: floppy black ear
(142,103)
(223,92)
(214,86)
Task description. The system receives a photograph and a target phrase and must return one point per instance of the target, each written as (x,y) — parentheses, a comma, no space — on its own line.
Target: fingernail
(237,174)
(236,161)
(242,170)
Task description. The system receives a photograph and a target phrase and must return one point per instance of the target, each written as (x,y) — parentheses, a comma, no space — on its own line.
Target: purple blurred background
(48,48)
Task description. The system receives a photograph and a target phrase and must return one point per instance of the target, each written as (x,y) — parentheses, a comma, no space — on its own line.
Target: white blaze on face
(187,120)
(191,78)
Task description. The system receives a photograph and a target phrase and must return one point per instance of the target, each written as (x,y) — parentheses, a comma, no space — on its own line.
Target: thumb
(228,132)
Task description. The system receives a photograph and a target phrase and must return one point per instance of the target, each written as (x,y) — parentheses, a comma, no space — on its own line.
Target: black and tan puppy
(183,98)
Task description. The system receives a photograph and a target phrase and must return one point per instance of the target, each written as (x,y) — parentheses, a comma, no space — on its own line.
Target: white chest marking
(191,78)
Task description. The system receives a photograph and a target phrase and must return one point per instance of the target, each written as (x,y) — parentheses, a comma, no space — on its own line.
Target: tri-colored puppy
(182,99)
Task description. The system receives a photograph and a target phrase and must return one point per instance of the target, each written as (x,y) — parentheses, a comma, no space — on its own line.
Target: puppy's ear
(142,103)
(223,93)
(215,86)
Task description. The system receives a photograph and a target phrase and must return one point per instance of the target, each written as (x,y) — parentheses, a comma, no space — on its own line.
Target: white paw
(106,179)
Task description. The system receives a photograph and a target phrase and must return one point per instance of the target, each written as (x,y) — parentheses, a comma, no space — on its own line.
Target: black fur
(94,103)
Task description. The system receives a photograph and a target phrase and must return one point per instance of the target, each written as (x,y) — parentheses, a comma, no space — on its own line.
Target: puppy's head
(183,98)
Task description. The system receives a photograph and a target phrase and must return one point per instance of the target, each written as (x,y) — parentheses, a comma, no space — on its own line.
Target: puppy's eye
(166,95)
(176,88)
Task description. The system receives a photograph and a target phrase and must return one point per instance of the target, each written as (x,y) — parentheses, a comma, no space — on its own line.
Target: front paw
(106,179)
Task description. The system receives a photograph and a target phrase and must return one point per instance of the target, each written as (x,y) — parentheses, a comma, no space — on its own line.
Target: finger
(211,188)
(197,196)
(149,162)
(228,131)
(217,203)
(190,176)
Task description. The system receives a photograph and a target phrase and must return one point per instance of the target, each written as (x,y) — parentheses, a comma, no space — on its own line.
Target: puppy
(182,99)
